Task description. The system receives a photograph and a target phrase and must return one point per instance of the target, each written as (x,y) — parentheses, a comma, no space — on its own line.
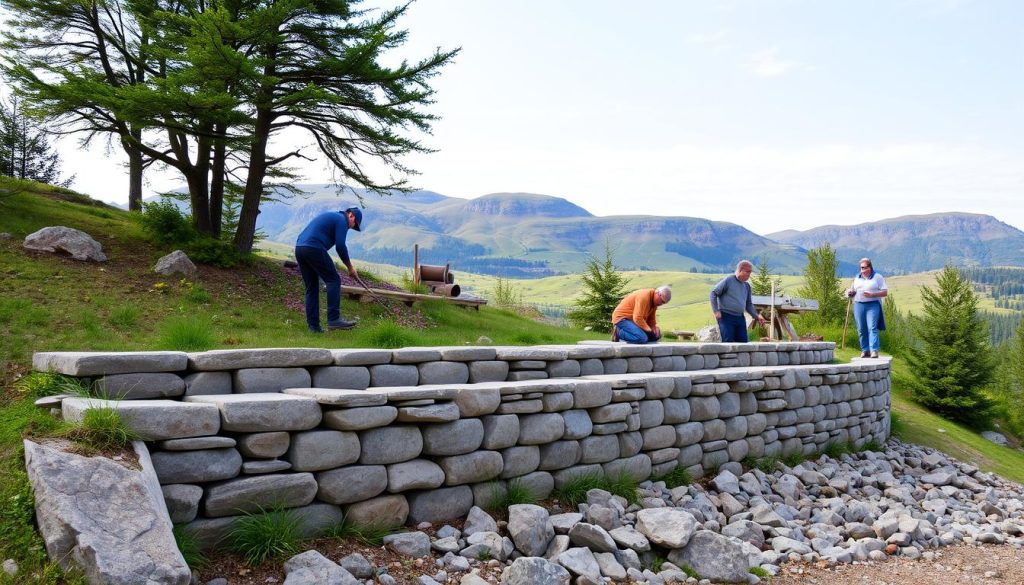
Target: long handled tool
(372,295)
(846,322)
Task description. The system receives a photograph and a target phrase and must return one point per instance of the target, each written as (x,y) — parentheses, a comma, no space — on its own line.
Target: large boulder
(177,262)
(65,241)
(103,517)
(709,334)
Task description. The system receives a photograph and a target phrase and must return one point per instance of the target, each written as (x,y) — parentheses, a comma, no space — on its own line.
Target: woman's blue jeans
(630,332)
(866,316)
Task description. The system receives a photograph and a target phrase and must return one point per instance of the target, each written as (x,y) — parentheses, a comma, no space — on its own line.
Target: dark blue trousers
(315,264)
(733,328)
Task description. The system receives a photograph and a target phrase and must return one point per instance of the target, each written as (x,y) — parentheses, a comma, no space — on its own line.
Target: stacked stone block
(423,434)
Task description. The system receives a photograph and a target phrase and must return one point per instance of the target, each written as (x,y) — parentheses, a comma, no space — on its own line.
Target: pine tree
(761,282)
(821,284)
(25,151)
(952,362)
(603,288)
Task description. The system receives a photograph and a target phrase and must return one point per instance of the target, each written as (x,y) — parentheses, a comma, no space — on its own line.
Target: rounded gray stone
(440,504)
(652,413)
(676,410)
(577,424)
(704,408)
(257,380)
(351,484)
(488,371)
(196,466)
(259,492)
(200,383)
(264,445)
(471,468)
(417,474)
(714,430)
(139,386)
(637,467)
(351,377)
(599,449)
(443,373)
(591,367)
(393,375)
(394,444)
(520,460)
(182,501)
(384,511)
(630,443)
(559,455)
(360,419)
(500,431)
(537,429)
(453,438)
(318,450)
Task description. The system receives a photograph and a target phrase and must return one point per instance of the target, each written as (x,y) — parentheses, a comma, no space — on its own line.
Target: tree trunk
(135,161)
(217,179)
(246,232)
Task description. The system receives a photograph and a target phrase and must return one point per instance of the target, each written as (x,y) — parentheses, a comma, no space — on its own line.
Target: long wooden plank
(360,294)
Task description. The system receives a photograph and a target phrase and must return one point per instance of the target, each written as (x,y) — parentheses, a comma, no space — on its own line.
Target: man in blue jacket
(311,252)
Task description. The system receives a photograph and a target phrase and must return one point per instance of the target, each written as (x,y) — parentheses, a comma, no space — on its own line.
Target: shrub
(164,223)
(265,535)
(414,287)
(186,334)
(793,459)
(574,491)
(206,250)
(836,449)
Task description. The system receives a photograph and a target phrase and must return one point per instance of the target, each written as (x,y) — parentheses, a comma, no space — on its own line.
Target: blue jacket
(326,230)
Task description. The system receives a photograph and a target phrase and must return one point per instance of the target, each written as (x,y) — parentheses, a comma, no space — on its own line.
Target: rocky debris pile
(65,241)
(862,506)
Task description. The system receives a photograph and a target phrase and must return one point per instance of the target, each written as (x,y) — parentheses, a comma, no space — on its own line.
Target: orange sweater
(638,307)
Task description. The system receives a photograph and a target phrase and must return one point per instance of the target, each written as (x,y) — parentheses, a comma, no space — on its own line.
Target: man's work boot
(340,324)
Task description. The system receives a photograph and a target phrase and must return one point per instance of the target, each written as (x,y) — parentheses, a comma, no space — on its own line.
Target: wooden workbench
(359,293)
(784,306)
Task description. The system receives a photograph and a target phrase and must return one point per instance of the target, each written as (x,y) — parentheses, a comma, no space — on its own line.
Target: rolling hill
(917,243)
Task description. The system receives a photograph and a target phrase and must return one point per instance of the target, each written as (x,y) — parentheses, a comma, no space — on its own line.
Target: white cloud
(768,63)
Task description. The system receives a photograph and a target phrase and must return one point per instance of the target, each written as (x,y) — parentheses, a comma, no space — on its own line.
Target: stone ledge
(83,363)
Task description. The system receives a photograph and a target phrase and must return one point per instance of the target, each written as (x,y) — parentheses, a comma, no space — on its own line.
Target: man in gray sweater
(730,298)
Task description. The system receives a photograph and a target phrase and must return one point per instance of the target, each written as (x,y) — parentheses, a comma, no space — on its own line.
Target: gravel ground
(995,565)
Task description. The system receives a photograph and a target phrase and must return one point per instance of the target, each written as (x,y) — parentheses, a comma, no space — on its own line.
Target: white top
(861,285)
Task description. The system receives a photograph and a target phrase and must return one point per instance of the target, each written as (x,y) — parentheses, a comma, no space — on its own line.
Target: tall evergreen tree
(25,151)
(821,284)
(761,282)
(603,288)
(952,361)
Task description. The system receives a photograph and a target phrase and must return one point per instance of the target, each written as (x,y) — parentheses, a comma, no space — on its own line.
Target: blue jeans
(866,316)
(630,332)
(733,328)
(315,265)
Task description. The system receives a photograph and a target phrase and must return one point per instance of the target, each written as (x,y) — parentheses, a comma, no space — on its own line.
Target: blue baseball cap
(359,217)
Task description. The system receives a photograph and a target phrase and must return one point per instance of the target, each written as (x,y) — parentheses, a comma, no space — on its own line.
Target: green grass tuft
(188,545)
(793,459)
(837,449)
(690,572)
(369,534)
(387,335)
(186,334)
(574,491)
(265,535)
(873,445)
(102,428)
(125,317)
(504,496)
(38,384)
(675,478)
(761,573)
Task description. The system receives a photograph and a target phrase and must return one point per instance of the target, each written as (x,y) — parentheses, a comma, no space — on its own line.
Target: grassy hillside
(53,303)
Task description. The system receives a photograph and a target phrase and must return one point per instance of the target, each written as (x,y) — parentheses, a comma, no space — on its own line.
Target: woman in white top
(867,290)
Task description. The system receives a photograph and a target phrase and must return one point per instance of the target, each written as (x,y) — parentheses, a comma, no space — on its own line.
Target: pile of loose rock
(860,507)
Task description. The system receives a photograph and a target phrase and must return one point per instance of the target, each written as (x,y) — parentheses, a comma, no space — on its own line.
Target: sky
(772,114)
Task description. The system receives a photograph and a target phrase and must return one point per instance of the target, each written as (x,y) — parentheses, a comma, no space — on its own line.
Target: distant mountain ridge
(916,243)
(527,235)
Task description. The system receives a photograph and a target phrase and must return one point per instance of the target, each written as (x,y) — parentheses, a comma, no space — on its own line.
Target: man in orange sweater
(634,321)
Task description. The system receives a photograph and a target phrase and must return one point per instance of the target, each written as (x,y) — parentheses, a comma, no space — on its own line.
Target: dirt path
(959,565)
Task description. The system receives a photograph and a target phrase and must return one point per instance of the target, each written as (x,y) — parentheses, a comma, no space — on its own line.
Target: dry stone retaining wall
(423,434)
